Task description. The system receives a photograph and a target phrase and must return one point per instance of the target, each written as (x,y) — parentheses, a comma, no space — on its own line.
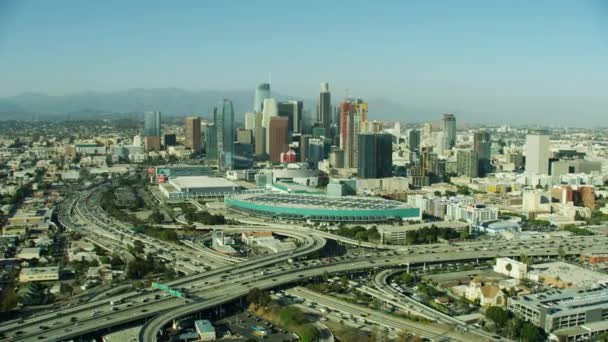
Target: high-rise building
(278,136)
(467,163)
(244,136)
(250,121)
(482,144)
(271,109)
(224,123)
(170,140)
(152,124)
(324,109)
(192,133)
(449,131)
(316,151)
(370,127)
(352,113)
(293,111)
(413,140)
(151,143)
(375,155)
(262,92)
(304,147)
(537,153)
(211,143)
(260,136)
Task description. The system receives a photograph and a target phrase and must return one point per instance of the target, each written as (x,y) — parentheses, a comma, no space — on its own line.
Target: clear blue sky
(491,57)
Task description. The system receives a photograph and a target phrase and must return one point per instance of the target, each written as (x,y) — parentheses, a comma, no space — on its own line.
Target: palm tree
(509,267)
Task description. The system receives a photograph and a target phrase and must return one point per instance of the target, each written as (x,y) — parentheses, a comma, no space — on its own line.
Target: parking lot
(241,327)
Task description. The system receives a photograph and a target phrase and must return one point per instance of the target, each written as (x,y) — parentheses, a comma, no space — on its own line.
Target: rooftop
(39,270)
(571,300)
(568,273)
(321,201)
(186,182)
(204,325)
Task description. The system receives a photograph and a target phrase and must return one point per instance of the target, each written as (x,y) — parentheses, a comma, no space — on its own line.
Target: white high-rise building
(537,153)
(250,121)
(271,108)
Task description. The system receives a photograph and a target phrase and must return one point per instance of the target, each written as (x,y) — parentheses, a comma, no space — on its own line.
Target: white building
(471,213)
(537,153)
(519,270)
(205,330)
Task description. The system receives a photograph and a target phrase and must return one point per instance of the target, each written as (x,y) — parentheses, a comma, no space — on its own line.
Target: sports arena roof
(322,208)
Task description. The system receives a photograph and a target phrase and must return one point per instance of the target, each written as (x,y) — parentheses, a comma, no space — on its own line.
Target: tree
(9,301)
(509,267)
(497,315)
(530,333)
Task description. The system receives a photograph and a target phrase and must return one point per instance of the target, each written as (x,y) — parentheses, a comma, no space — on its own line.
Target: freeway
(363,314)
(227,283)
(318,268)
(97,315)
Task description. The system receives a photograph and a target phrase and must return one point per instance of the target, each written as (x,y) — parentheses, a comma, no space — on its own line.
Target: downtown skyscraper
(151,124)
(324,109)
(223,118)
(262,92)
(352,113)
(449,131)
(375,155)
(537,153)
(192,133)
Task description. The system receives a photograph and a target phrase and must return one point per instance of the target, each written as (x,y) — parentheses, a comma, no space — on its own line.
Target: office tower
(318,132)
(170,140)
(467,163)
(449,131)
(192,133)
(260,136)
(244,136)
(304,146)
(352,113)
(316,151)
(271,109)
(151,143)
(375,155)
(210,143)
(537,153)
(243,156)
(152,124)
(324,110)
(371,127)
(482,144)
(293,111)
(224,123)
(250,121)
(413,140)
(262,92)
(308,121)
(278,138)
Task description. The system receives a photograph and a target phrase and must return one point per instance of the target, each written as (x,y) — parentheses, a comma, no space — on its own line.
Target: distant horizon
(541,62)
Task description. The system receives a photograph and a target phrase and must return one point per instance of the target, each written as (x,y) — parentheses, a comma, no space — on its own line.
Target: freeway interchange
(213,279)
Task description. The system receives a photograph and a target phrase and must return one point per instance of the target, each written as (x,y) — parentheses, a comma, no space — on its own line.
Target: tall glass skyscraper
(324,110)
(261,92)
(449,131)
(151,124)
(224,125)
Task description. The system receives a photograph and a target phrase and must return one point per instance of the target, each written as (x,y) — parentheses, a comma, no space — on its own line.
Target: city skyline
(475,61)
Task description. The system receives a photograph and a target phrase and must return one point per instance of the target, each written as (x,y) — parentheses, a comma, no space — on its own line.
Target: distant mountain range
(170,101)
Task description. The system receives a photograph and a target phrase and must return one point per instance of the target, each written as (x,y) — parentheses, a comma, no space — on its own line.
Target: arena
(320,208)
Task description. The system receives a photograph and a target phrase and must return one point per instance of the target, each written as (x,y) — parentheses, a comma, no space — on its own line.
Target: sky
(539,59)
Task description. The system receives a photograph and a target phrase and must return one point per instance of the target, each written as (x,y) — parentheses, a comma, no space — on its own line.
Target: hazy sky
(491,57)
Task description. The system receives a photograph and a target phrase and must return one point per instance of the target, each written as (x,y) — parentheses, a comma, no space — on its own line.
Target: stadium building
(347,209)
